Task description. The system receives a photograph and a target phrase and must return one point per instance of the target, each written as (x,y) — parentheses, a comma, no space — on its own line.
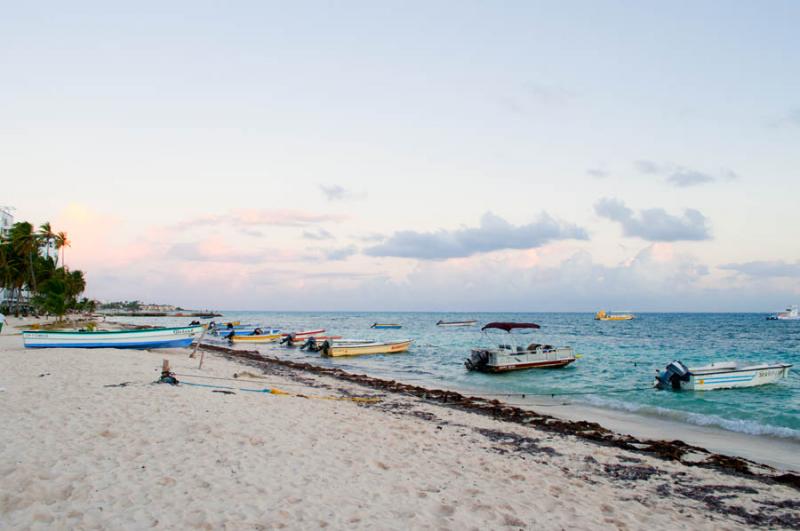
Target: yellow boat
(265,338)
(335,349)
(602,315)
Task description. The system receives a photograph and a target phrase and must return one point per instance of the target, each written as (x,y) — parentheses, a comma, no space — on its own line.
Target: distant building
(6,220)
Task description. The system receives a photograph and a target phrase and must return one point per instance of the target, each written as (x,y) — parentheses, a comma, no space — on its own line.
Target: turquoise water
(618,357)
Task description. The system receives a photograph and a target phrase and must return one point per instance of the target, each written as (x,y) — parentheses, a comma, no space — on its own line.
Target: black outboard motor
(310,345)
(671,378)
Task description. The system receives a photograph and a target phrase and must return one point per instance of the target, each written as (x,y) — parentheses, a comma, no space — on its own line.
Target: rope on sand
(366,400)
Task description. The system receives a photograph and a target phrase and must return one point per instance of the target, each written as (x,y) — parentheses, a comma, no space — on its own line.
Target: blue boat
(385,326)
(141,339)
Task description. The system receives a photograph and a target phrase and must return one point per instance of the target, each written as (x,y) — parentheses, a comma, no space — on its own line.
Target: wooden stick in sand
(197,345)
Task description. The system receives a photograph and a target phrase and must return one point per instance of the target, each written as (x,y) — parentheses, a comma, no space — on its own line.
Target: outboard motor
(310,345)
(477,360)
(671,378)
(325,348)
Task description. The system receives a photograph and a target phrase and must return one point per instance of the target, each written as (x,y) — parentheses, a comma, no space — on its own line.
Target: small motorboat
(452,324)
(386,326)
(603,315)
(722,375)
(257,335)
(508,356)
(292,340)
(360,348)
(791,314)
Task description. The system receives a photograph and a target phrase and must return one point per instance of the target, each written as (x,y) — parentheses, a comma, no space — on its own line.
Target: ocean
(619,360)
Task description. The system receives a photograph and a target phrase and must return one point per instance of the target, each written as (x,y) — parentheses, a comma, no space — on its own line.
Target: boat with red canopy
(510,356)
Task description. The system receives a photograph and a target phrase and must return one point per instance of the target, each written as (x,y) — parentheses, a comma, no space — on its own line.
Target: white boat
(723,375)
(146,338)
(452,324)
(508,356)
(791,314)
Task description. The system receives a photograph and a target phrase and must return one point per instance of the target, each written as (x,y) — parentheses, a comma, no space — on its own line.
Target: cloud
(680,176)
(765,269)
(341,253)
(494,233)
(210,251)
(597,173)
(336,192)
(317,234)
(790,119)
(655,224)
(246,219)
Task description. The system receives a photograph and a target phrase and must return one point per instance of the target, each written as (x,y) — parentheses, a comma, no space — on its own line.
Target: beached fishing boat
(305,334)
(723,375)
(508,356)
(256,338)
(386,326)
(142,339)
(603,315)
(337,348)
(791,314)
(447,324)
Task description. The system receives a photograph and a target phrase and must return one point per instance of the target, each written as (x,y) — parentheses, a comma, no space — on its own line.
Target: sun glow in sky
(519,156)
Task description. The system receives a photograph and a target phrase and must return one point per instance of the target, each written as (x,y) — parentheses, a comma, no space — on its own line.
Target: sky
(442,156)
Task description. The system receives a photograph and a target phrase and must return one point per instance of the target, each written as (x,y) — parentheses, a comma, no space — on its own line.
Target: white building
(6,220)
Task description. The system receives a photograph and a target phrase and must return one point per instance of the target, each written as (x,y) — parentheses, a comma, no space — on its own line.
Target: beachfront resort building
(6,220)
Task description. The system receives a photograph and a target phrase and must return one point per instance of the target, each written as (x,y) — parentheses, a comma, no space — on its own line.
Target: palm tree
(48,237)
(61,242)
(25,243)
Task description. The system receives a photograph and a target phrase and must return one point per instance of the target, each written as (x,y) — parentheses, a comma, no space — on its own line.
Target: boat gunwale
(95,332)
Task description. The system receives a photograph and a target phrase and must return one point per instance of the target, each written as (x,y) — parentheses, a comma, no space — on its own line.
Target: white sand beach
(82,451)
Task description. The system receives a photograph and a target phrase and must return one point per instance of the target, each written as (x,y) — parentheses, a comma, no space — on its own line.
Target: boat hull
(457,324)
(494,361)
(133,339)
(265,338)
(532,365)
(746,377)
(386,326)
(338,350)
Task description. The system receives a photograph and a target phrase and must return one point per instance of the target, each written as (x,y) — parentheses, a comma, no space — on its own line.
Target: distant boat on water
(451,324)
(386,326)
(138,339)
(602,315)
(791,314)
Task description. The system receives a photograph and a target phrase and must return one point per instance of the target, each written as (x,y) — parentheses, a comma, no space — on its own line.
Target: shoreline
(91,442)
(570,422)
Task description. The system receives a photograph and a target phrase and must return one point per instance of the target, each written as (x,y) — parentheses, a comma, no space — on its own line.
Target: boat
(449,324)
(791,314)
(602,315)
(297,336)
(255,338)
(386,326)
(291,340)
(722,375)
(141,339)
(360,348)
(508,356)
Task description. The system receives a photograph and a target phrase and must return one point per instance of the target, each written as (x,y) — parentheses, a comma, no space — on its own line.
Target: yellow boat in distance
(602,315)
(336,349)
(265,338)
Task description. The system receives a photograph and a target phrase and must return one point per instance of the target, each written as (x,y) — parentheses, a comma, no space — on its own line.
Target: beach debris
(668,450)
(223,391)
(123,384)
(167,376)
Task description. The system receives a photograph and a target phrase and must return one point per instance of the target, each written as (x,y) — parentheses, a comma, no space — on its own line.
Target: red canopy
(508,327)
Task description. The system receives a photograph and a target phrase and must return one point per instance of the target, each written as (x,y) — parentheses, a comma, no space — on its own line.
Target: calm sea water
(616,370)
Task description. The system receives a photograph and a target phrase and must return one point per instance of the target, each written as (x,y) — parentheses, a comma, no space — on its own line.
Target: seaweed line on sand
(674,450)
